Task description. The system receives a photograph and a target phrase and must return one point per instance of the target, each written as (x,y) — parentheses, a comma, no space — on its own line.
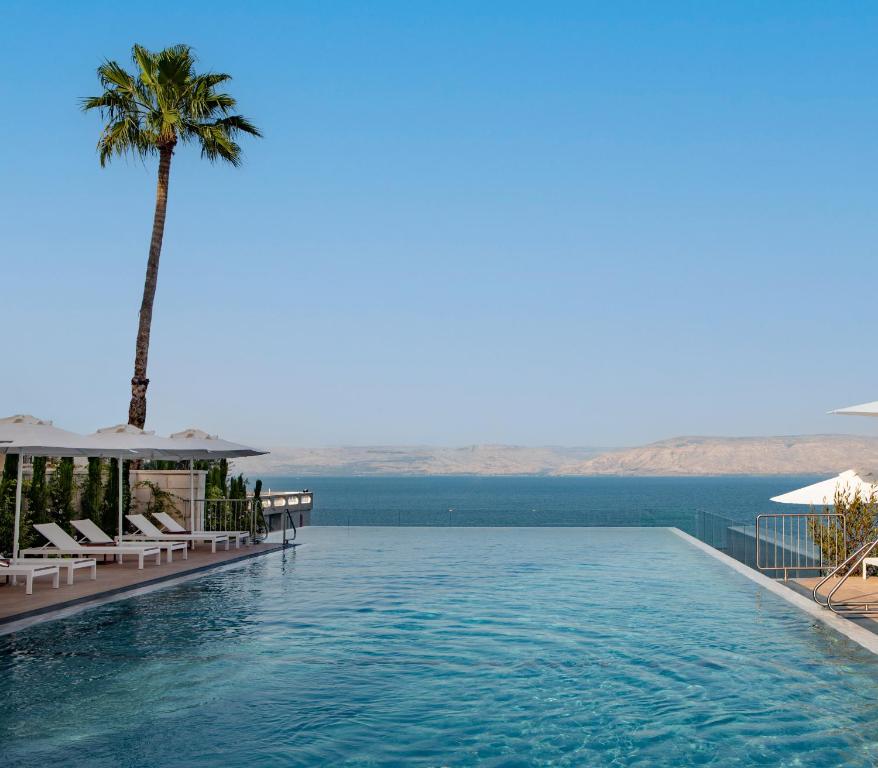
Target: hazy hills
(416,460)
(804,454)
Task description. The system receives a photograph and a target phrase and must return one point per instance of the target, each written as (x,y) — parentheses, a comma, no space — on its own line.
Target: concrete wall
(175,482)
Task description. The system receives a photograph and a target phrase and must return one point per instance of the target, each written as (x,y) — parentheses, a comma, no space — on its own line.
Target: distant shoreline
(798,455)
(266,478)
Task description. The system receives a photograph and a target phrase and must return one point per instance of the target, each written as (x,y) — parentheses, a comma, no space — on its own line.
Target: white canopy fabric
(203,445)
(864,409)
(23,434)
(37,437)
(823,493)
(125,441)
(128,442)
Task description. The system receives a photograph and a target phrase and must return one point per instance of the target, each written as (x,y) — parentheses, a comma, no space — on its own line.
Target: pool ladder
(851,564)
(287,517)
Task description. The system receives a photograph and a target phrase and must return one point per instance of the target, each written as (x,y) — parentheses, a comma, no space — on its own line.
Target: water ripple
(444,647)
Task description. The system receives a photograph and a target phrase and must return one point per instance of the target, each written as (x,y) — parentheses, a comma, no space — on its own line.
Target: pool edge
(860,635)
(20,621)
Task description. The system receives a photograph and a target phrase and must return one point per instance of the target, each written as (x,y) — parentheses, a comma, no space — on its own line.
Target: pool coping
(19,621)
(859,634)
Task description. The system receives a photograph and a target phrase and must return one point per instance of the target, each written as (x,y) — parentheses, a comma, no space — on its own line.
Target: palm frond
(124,137)
(112,74)
(164,103)
(217,144)
(234,123)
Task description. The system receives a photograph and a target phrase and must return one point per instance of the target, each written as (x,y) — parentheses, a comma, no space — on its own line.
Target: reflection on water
(445,646)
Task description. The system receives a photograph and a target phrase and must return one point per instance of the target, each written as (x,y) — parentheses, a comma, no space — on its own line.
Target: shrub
(837,540)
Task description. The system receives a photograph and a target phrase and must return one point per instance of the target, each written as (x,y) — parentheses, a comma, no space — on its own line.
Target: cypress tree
(7,501)
(126,487)
(109,520)
(257,504)
(223,476)
(93,495)
(62,488)
(38,493)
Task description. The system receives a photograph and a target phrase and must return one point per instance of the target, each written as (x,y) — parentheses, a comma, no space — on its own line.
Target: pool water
(445,647)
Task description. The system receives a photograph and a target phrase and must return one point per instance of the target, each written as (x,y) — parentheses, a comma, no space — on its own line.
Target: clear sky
(581,223)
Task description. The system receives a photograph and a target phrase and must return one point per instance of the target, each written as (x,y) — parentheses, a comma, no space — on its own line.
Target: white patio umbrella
(25,434)
(29,436)
(864,409)
(852,481)
(127,442)
(202,445)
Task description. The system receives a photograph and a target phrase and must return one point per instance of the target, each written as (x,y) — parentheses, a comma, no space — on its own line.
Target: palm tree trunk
(139,382)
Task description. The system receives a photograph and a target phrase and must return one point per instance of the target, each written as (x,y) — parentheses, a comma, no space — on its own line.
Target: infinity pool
(445,647)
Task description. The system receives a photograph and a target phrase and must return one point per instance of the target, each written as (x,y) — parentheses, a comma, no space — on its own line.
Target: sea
(538,501)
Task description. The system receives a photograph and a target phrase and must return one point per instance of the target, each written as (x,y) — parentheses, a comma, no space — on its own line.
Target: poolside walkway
(113,580)
(855,590)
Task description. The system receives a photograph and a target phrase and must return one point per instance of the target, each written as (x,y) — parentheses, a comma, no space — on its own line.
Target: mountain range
(799,454)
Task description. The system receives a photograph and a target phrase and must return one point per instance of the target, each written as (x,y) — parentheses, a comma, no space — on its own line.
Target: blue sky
(568,223)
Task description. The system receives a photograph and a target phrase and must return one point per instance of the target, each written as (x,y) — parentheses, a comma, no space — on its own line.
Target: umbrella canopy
(128,442)
(23,434)
(850,482)
(864,409)
(202,445)
(38,437)
(125,441)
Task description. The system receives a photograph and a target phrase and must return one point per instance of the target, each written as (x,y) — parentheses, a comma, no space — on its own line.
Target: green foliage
(164,103)
(91,501)
(261,523)
(216,483)
(837,540)
(160,500)
(237,487)
(7,501)
(162,464)
(38,492)
(108,518)
(62,489)
(223,465)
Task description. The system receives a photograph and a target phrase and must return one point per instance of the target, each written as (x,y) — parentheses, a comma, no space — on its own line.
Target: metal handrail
(783,545)
(288,515)
(858,557)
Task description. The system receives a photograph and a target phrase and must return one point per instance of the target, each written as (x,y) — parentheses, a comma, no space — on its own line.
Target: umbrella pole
(17,508)
(191,494)
(121,502)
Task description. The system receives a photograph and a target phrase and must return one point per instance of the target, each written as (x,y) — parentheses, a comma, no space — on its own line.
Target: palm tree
(149,113)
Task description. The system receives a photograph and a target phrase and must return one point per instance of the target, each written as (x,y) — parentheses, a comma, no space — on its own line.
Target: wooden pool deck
(113,581)
(854,590)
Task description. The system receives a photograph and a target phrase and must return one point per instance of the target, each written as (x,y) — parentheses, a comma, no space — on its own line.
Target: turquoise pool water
(445,647)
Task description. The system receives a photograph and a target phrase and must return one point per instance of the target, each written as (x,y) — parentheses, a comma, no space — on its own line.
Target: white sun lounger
(29,572)
(96,536)
(70,564)
(172,526)
(149,532)
(62,543)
